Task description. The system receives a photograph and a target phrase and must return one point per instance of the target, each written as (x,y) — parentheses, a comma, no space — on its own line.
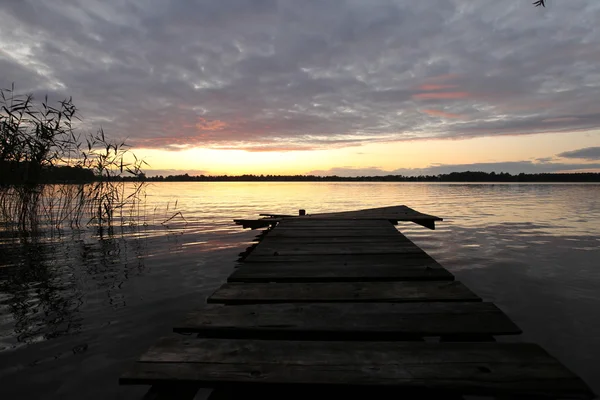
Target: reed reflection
(47,284)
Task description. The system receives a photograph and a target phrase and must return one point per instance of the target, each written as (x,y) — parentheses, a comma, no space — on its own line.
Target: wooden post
(301,212)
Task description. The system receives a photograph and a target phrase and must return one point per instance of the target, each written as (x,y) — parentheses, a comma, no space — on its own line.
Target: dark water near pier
(77,309)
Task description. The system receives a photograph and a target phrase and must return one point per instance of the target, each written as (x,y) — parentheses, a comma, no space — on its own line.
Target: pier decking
(343,301)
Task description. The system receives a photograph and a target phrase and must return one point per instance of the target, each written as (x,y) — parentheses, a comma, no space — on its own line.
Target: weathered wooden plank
(314,272)
(303,392)
(341,223)
(332,230)
(383,214)
(389,240)
(423,220)
(389,212)
(324,218)
(285,249)
(332,224)
(338,224)
(253,293)
(510,369)
(373,260)
(354,227)
(337,232)
(306,235)
(365,232)
(335,242)
(398,259)
(346,321)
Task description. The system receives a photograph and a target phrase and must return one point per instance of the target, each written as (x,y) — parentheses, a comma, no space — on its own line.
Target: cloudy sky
(321,86)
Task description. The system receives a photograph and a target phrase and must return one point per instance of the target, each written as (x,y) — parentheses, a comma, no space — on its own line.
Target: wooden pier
(344,302)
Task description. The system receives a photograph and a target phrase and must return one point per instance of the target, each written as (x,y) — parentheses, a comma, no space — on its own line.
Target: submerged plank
(253,293)
(345,321)
(511,369)
(314,272)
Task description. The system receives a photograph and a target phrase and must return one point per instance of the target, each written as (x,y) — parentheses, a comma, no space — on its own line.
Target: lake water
(77,309)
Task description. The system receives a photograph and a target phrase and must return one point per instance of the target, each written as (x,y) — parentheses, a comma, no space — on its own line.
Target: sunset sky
(365,87)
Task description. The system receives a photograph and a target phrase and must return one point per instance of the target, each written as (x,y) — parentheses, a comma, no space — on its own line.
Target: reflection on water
(47,285)
(80,305)
(43,304)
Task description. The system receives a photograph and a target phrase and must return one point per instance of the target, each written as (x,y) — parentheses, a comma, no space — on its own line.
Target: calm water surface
(77,309)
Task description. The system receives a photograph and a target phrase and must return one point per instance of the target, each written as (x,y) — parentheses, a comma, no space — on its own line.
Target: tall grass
(36,136)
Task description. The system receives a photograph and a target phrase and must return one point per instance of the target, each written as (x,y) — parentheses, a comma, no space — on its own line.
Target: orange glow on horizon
(388,156)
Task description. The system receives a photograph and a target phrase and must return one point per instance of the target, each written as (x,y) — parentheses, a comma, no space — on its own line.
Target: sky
(367,87)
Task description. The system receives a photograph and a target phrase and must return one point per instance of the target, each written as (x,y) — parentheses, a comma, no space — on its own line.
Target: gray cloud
(287,74)
(511,167)
(545,159)
(587,153)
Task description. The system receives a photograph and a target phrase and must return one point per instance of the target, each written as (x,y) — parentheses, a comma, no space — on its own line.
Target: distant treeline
(26,172)
(15,173)
(468,176)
